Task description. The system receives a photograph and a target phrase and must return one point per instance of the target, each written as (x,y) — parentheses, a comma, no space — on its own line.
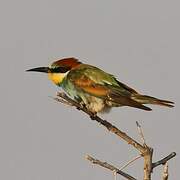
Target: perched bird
(95,89)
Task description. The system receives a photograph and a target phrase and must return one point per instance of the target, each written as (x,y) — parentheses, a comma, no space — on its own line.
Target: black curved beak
(40,69)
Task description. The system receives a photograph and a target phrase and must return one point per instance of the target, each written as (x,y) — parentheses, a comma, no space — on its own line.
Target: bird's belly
(95,104)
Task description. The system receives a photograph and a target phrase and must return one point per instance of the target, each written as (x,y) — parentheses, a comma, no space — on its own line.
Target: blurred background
(137,41)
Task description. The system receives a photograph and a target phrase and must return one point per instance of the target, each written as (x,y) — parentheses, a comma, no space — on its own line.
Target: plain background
(138,41)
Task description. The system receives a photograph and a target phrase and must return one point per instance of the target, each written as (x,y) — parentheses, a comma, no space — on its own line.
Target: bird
(94,88)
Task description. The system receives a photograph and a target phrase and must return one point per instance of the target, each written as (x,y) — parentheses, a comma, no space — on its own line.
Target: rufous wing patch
(89,86)
(96,90)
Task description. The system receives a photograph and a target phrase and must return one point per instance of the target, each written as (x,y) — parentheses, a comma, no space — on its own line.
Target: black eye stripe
(60,69)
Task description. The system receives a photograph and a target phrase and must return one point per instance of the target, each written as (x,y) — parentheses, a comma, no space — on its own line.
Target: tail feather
(151,100)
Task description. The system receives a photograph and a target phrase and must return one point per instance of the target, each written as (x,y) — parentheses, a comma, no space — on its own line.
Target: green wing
(94,81)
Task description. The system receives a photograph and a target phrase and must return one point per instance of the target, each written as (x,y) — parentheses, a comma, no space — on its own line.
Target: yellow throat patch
(57,78)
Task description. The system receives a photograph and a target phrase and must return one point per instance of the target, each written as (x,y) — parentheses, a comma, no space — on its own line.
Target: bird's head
(58,70)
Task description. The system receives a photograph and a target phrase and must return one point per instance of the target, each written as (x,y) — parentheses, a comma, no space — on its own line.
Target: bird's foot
(81,105)
(93,115)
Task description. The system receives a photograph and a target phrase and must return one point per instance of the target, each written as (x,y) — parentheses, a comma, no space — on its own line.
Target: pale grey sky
(138,41)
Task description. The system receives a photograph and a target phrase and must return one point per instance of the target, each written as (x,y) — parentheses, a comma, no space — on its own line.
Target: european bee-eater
(97,90)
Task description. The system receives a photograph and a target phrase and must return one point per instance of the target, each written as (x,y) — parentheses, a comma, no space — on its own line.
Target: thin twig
(130,162)
(109,166)
(148,153)
(164,160)
(165,172)
(62,101)
(141,133)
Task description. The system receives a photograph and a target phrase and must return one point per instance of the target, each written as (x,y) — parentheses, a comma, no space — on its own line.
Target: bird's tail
(143,99)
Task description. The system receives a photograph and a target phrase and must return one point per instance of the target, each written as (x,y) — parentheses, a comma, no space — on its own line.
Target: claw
(93,115)
(81,105)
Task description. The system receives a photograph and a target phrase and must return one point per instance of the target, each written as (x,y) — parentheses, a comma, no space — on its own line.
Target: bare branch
(165,172)
(145,151)
(110,167)
(164,160)
(147,162)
